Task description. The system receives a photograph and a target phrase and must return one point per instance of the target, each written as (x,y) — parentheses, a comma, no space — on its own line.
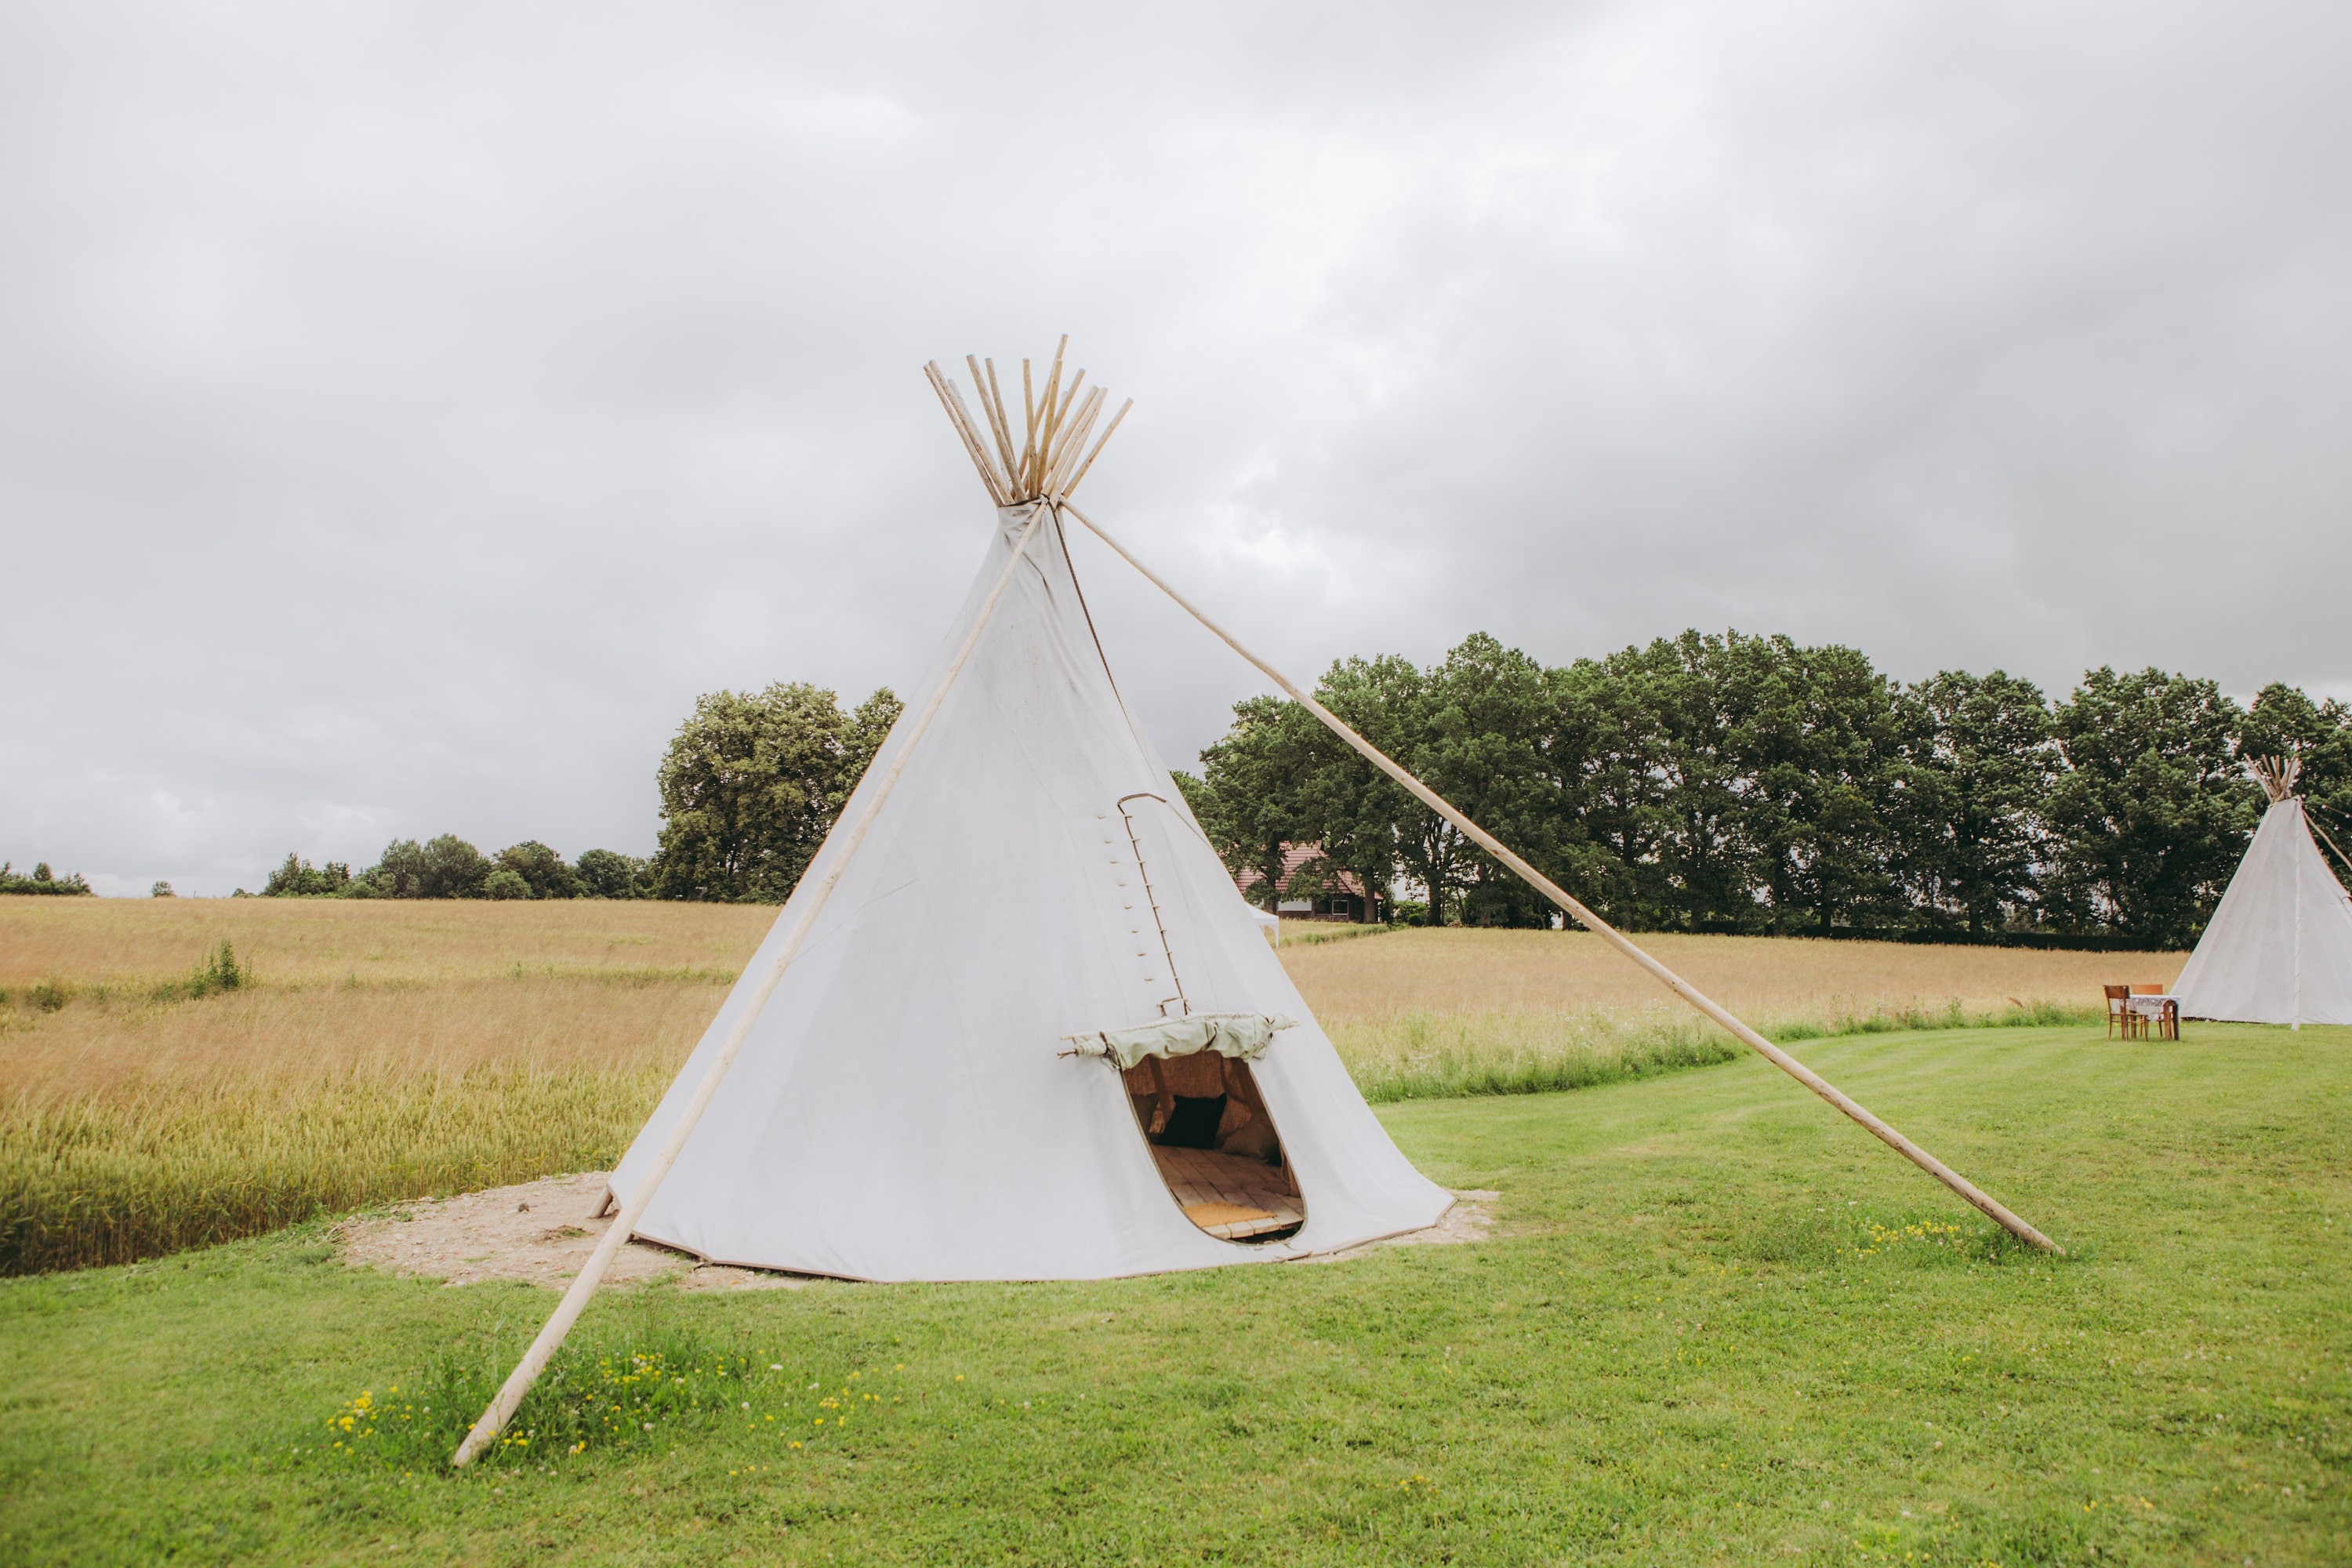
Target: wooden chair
(2119,1017)
(2165,1025)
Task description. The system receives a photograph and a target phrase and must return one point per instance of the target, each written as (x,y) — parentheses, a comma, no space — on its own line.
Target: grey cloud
(404,413)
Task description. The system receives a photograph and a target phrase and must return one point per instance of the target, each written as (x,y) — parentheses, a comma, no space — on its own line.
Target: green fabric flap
(1243,1035)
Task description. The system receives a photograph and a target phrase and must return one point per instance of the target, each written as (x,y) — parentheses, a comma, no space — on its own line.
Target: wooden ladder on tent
(1159,921)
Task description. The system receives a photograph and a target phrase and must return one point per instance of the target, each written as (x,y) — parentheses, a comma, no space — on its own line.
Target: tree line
(42,881)
(749,786)
(1749,783)
(450,868)
(1702,783)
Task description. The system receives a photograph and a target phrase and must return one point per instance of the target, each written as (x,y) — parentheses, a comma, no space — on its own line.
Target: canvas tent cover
(2279,947)
(904,1107)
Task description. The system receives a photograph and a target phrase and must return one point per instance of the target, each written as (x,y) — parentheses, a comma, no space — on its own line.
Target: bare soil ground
(537,1231)
(542,1232)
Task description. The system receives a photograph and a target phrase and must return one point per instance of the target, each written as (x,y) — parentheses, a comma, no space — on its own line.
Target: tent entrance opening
(1216,1145)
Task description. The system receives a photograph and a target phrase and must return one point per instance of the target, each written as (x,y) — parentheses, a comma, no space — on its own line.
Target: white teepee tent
(2279,947)
(906,1106)
(1016,871)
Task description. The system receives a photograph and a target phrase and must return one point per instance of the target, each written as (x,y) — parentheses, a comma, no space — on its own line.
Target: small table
(2162,1013)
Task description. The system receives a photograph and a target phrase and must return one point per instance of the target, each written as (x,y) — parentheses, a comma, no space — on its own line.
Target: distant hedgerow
(43,880)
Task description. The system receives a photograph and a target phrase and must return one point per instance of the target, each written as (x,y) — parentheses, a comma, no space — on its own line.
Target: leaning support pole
(526,1373)
(1550,890)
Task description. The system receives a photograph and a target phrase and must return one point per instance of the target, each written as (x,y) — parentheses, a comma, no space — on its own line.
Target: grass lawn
(1716,1323)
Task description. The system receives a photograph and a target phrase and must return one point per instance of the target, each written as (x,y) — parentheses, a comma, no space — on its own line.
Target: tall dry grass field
(356,943)
(375,1051)
(1430,1013)
(390,1050)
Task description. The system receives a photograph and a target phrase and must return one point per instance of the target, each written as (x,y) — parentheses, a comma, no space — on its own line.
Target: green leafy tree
(1609,719)
(1198,798)
(1823,752)
(398,873)
(1352,810)
(2152,813)
(1980,764)
(2284,723)
(453,868)
(298,878)
(1489,742)
(446,867)
(1671,801)
(43,882)
(1739,782)
(608,874)
(505,883)
(1364,819)
(1729,783)
(752,783)
(543,873)
(1250,791)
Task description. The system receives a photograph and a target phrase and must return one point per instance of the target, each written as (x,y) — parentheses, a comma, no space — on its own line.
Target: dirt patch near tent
(1471,1218)
(542,1232)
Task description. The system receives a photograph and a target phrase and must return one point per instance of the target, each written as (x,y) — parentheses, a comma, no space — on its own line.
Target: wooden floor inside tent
(1229,1197)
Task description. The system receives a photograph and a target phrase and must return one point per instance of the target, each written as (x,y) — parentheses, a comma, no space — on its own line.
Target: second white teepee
(2279,947)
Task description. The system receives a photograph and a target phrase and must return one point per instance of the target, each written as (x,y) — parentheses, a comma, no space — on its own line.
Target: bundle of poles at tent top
(2277,775)
(1045,468)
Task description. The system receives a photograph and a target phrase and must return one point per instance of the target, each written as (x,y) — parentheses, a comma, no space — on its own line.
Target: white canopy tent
(2279,947)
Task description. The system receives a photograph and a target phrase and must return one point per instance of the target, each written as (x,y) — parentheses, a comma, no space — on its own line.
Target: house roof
(1295,858)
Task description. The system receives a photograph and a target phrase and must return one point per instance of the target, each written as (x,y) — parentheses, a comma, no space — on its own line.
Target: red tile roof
(1294,856)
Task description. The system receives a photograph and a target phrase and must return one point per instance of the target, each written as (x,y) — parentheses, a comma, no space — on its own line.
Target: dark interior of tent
(1216,1146)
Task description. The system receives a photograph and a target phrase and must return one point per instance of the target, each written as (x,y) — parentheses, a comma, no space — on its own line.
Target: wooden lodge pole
(575,1299)
(1683,988)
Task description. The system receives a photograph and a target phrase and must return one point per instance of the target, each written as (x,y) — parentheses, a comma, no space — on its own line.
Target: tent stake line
(575,1299)
(1967,1190)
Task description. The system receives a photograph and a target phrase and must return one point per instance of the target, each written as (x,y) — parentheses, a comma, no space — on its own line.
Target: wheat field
(385,1050)
(1431,1012)
(374,1051)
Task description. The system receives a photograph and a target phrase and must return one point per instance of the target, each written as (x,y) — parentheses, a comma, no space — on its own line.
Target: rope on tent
(575,1299)
(1152,897)
(1952,1179)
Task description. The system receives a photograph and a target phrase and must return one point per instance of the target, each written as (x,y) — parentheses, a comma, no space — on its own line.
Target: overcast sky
(405,411)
